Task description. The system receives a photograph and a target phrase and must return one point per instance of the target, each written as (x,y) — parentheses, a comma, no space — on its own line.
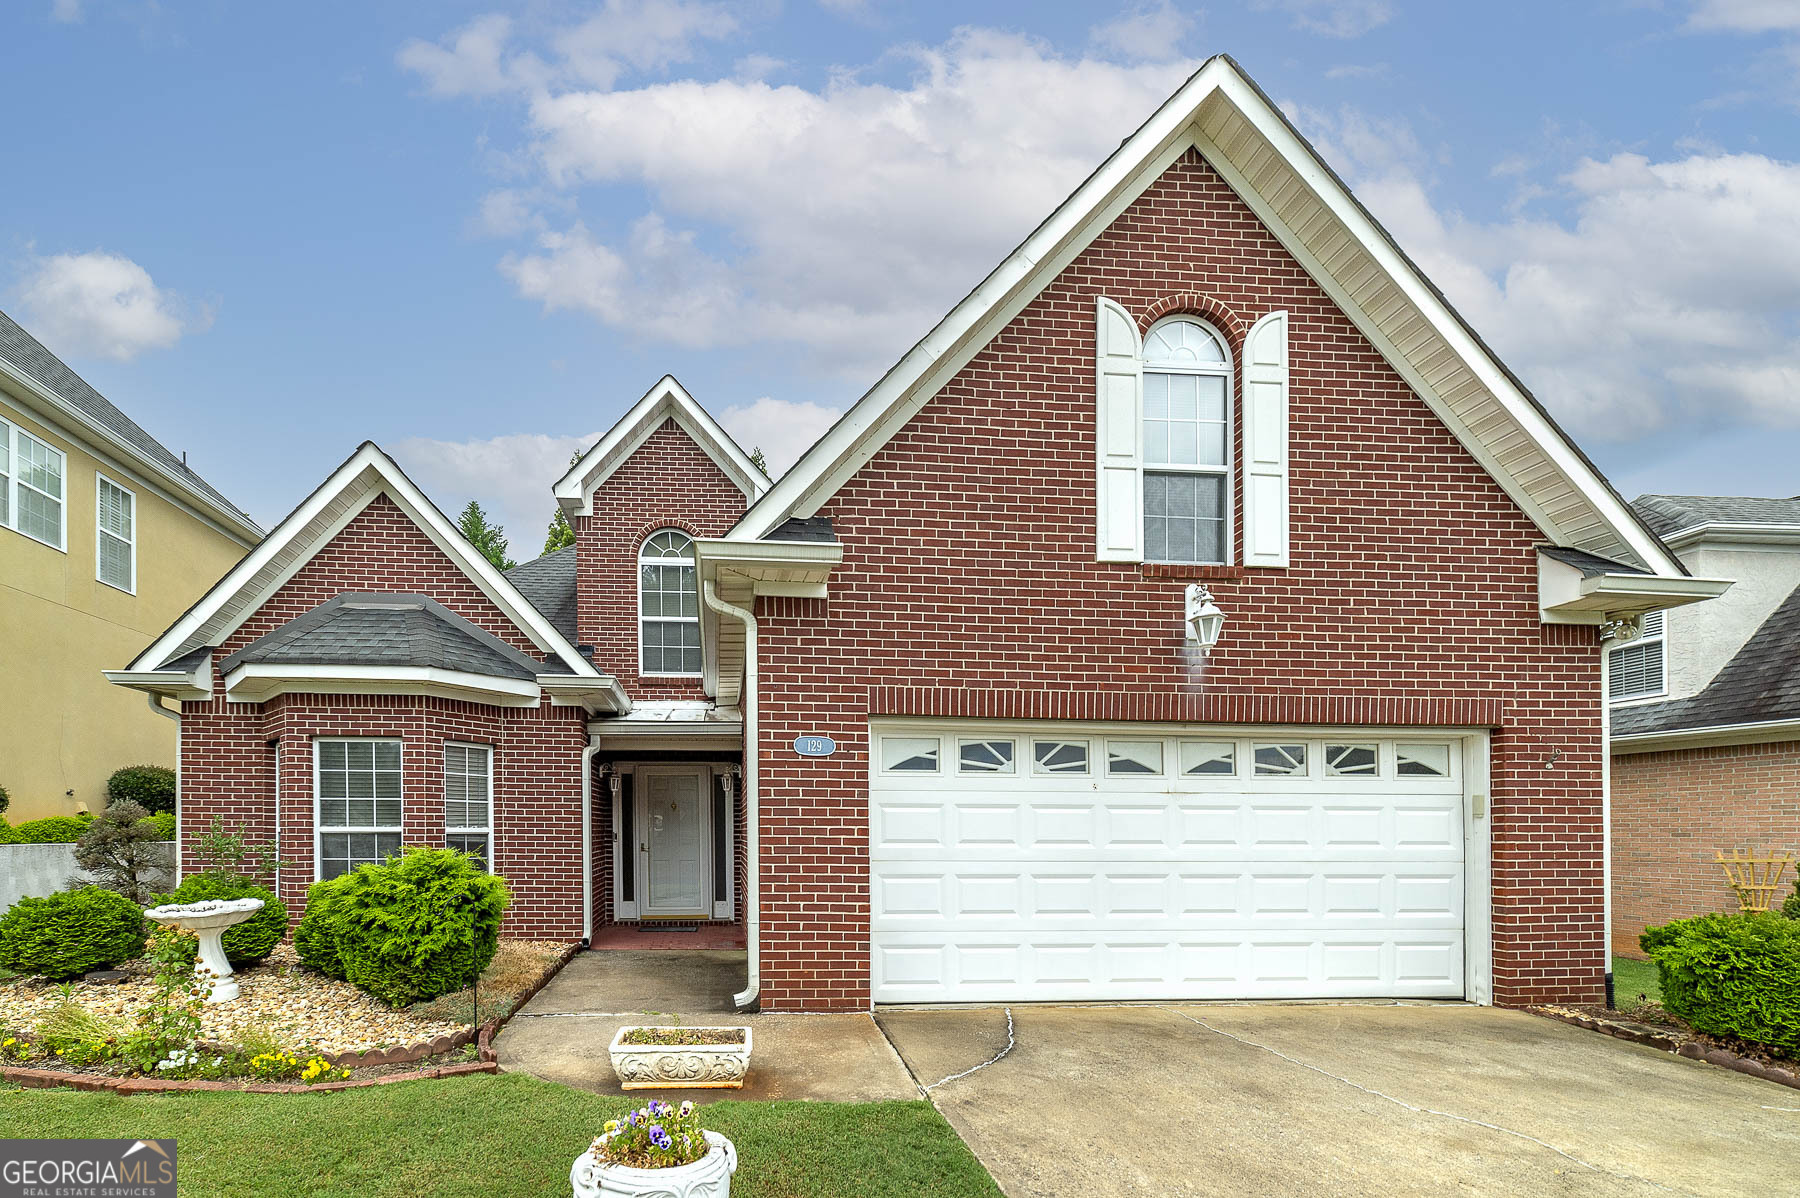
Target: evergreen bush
(150,786)
(1732,975)
(245,943)
(67,934)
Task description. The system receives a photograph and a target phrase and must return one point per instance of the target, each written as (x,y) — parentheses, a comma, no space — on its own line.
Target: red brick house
(992,755)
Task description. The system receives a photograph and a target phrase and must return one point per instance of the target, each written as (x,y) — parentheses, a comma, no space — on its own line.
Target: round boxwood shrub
(418,925)
(316,939)
(152,787)
(70,933)
(165,825)
(56,829)
(245,943)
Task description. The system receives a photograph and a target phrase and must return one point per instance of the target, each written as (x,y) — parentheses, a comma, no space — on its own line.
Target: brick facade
(969,563)
(1672,811)
(669,482)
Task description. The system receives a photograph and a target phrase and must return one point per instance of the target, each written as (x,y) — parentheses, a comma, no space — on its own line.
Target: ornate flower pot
(680,1066)
(708,1177)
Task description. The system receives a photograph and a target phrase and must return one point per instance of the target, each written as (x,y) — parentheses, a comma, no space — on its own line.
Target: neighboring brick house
(1706,714)
(1001,748)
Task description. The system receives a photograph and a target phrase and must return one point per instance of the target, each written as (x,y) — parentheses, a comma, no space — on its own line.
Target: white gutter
(746,998)
(156,705)
(1760,732)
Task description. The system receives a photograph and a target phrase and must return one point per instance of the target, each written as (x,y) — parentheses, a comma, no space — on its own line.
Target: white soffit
(1221,112)
(668,400)
(322,515)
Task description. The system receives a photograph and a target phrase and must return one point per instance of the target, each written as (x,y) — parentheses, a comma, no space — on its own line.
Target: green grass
(1632,978)
(496,1135)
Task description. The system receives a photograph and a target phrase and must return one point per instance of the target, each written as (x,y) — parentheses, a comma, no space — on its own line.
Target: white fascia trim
(602,694)
(1735,533)
(375,473)
(176,684)
(230,521)
(258,681)
(574,491)
(1603,596)
(1762,732)
(1167,134)
(749,557)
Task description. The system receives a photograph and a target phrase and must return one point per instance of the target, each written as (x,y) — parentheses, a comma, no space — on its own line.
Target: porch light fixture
(1204,619)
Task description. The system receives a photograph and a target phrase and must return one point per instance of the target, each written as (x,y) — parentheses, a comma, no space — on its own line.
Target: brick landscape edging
(50,1079)
(1691,1050)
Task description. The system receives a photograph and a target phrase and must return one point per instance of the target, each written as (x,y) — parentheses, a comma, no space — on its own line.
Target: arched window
(668,605)
(1187,444)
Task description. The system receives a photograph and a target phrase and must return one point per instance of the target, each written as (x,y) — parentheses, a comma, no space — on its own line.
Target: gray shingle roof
(388,630)
(1591,565)
(1760,683)
(804,528)
(26,353)
(548,584)
(1667,514)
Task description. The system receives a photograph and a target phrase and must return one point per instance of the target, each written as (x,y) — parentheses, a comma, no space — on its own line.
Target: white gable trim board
(1006,875)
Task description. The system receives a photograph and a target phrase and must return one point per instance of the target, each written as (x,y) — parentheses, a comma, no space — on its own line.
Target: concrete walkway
(562,1034)
(1341,1100)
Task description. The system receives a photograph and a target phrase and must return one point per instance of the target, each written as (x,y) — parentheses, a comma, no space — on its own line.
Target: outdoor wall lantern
(1204,619)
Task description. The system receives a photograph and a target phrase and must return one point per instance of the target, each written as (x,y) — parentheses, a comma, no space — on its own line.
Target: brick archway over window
(1192,303)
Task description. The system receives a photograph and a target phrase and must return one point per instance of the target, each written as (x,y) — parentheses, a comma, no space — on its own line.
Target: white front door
(673,815)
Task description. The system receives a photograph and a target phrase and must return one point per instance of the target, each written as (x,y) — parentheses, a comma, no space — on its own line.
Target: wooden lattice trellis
(1755,880)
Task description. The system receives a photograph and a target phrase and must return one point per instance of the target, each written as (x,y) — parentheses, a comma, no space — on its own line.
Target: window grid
(31,486)
(357,787)
(1186,440)
(1637,669)
(115,538)
(668,606)
(468,799)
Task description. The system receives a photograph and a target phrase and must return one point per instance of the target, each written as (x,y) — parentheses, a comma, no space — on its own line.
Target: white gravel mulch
(301,1007)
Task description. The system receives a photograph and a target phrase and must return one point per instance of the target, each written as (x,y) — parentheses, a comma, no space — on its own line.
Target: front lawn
(1632,978)
(496,1135)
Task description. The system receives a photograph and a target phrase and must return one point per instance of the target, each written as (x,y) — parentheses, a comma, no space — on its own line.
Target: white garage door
(1026,863)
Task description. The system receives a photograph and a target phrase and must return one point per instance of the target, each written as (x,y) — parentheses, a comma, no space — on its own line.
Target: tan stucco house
(105,537)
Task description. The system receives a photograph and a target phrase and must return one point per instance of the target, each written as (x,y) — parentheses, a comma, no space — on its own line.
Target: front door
(673,816)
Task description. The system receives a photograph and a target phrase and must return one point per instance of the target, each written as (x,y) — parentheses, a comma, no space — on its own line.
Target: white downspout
(156,705)
(746,998)
(587,840)
(1606,867)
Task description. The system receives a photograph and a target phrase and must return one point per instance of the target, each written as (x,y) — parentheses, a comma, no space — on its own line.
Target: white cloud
(102,305)
(1145,33)
(1745,16)
(67,12)
(1669,296)
(782,428)
(844,219)
(510,476)
(1331,18)
(469,62)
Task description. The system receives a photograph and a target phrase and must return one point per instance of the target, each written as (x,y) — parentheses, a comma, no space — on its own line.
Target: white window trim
(694,564)
(101,482)
(1660,636)
(1228,471)
(319,831)
(13,432)
(465,829)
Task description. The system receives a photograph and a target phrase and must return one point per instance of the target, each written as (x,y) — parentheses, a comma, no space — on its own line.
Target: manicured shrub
(152,787)
(1791,908)
(67,934)
(245,943)
(1732,975)
(56,829)
(124,851)
(164,823)
(418,925)
(7,834)
(316,939)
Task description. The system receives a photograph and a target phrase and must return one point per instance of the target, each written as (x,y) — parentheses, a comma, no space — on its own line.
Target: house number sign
(814,746)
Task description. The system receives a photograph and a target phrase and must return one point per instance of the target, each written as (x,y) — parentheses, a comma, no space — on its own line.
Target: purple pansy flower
(659,1137)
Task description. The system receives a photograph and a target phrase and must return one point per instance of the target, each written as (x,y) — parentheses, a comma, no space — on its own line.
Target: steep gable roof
(668,400)
(1221,113)
(366,474)
(1759,685)
(24,359)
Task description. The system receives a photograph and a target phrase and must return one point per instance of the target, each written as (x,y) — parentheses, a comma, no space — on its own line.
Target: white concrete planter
(680,1066)
(708,1177)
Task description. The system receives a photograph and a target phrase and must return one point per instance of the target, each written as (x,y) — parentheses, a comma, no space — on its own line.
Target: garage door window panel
(1422,761)
(1203,758)
(1352,761)
(1134,757)
(1287,760)
(909,754)
(1059,757)
(984,756)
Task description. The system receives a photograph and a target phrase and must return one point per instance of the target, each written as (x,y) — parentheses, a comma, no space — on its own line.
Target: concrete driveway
(1341,1100)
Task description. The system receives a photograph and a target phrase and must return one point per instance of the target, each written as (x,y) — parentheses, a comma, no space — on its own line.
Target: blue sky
(477,232)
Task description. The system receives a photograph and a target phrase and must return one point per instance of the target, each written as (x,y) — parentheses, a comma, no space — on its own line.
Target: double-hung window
(1187,444)
(115,536)
(1637,669)
(468,801)
(668,605)
(31,486)
(358,786)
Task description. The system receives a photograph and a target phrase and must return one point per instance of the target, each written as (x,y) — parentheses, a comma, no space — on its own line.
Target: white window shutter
(1119,431)
(1265,420)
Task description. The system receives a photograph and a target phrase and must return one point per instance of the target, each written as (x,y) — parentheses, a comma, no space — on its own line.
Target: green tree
(490,539)
(757,459)
(561,536)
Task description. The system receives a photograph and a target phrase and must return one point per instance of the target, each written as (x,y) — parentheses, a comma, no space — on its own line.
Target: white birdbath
(208,920)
